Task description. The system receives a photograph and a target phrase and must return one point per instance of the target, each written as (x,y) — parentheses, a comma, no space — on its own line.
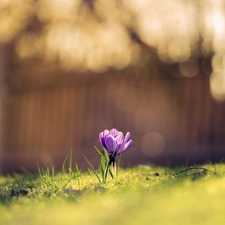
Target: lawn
(141,195)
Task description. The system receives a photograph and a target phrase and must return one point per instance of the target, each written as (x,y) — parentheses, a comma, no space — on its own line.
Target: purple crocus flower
(114,142)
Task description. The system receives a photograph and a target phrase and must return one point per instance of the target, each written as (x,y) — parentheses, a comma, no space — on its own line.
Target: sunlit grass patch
(141,195)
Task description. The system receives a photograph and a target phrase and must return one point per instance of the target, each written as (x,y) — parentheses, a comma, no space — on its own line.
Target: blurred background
(70,69)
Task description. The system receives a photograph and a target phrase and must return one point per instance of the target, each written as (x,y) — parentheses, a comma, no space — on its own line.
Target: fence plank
(48,117)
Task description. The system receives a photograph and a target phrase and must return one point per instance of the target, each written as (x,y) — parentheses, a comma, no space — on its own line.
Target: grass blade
(71,162)
(63,166)
(39,170)
(106,155)
(97,150)
(103,166)
(53,171)
(92,168)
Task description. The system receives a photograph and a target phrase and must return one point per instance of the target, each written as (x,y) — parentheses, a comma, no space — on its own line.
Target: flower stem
(114,169)
(111,160)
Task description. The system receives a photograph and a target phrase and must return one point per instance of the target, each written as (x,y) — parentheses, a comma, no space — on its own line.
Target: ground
(139,195)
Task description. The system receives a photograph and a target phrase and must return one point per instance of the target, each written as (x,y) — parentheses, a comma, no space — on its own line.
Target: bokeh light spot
(152,144)
(217,85)
(190,68)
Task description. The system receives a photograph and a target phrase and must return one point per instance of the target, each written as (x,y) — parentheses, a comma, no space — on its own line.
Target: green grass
(139,195)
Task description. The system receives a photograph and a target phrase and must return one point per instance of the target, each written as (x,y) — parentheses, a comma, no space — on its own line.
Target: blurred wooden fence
(45,112)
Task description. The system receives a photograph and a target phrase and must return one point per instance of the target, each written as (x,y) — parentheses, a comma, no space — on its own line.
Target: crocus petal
(119,142)
(113,132)
(114,142)
(126,146)
(127,137)
(110,143)
(101,136)
(102,139)
(105,133)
